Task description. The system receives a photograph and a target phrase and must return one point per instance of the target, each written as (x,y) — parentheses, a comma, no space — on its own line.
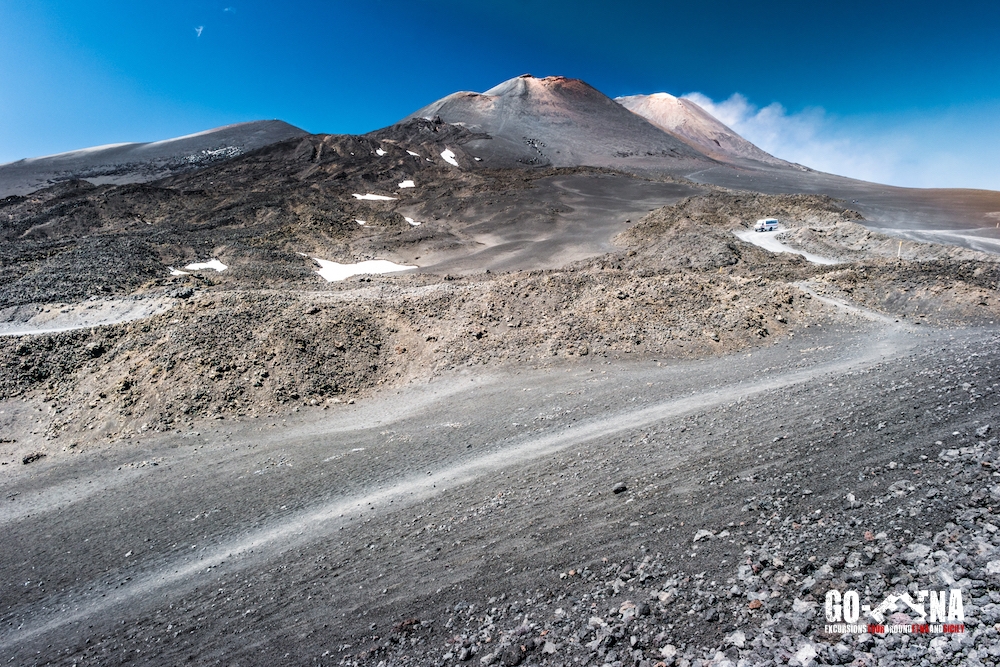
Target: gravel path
(481,505)
(769,241)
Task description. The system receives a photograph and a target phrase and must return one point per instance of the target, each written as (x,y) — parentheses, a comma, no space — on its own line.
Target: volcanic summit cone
(696,127)
(559,122)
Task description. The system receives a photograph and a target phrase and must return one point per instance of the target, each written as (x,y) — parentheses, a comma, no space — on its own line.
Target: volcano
(560,122)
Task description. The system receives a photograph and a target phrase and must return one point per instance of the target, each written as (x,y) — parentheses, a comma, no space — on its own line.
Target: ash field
(510,382)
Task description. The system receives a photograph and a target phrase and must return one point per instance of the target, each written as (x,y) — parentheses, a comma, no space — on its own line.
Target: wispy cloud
(229,10)
(937,148)
(198,30)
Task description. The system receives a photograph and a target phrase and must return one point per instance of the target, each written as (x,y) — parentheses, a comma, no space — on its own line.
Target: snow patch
(370,197)
(449,157)
(361,222)
(413,154)
(213,264)
(413,223)
(177,272)
(407,184)
(333,271)
(379,152)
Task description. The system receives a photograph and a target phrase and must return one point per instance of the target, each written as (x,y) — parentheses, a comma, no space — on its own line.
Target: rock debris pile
(766,609)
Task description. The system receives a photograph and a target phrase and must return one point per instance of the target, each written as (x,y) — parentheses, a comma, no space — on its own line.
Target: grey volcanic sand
(562,219)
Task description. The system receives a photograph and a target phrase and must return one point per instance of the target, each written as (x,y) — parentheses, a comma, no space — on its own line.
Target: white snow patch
(213,264)
(478,159)
(332,271)
(379,152)
(413,154)
(413,223)
(361,222)
(449,157)
(768,241)
(370,197)
(177,272)
(407,184)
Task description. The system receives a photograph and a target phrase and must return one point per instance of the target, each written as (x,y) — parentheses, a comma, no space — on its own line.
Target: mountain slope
(142,162)
(696,127)
(556,121)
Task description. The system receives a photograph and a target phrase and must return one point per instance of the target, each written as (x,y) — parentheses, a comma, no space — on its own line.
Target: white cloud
(199,30)
(938,148)
(229,10)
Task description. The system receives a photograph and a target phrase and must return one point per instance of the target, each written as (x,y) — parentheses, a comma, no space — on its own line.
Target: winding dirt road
(278,539)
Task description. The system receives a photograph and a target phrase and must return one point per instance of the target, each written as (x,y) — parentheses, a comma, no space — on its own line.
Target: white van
(766,225)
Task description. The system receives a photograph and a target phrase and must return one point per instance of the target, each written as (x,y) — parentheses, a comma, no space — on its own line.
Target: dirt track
(283,542)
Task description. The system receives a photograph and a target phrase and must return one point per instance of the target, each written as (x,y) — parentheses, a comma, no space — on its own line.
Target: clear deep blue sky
(911,88)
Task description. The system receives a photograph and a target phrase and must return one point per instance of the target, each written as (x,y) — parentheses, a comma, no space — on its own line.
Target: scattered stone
(620,487)
(668,652)
(513,655)
(916,552)
(806,654)
(406,626)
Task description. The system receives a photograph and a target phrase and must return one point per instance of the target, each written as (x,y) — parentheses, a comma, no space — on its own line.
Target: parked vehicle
(766,225)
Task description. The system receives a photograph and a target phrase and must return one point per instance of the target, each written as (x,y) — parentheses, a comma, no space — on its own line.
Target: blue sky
(900,92)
